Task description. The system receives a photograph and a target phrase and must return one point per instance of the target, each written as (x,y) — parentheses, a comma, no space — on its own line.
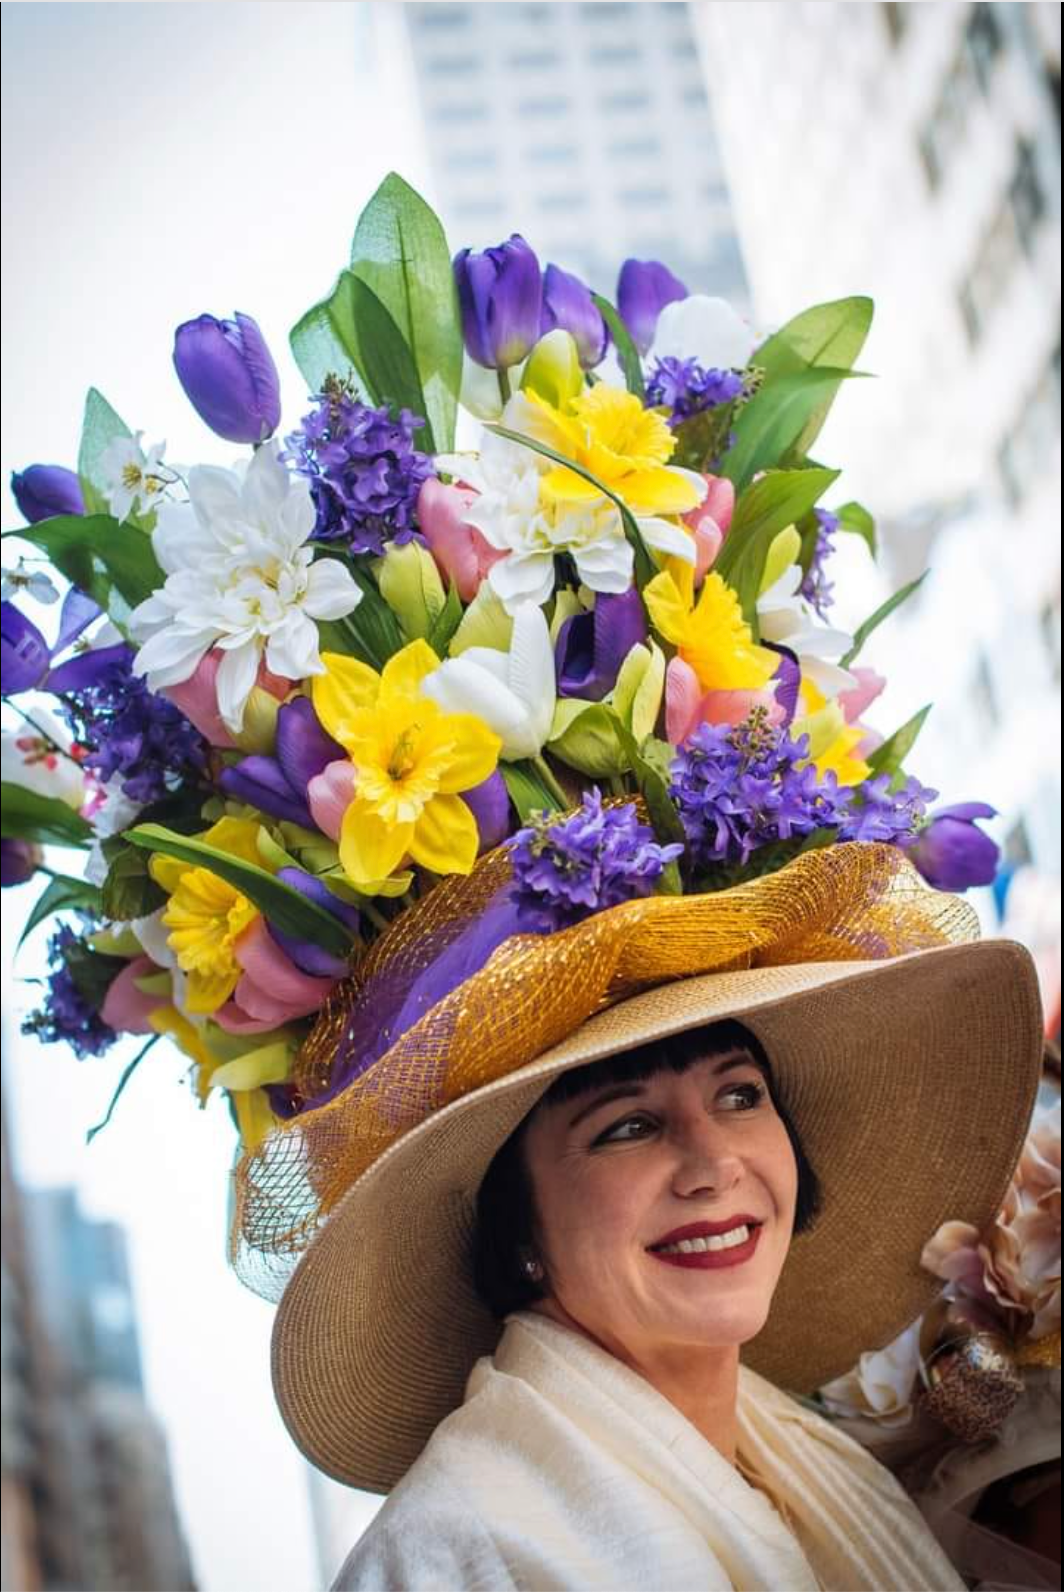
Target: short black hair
(505,1211)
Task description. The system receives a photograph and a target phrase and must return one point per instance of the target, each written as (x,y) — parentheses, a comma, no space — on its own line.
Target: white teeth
(699,1246)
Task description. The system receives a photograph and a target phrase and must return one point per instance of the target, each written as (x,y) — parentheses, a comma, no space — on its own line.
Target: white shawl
(565,1469)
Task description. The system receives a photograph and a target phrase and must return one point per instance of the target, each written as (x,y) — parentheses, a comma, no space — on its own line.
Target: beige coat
(564,1469)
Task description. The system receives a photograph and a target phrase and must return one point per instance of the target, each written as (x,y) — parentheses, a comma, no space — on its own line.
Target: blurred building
(912,152)
(585,127)
(88,1501)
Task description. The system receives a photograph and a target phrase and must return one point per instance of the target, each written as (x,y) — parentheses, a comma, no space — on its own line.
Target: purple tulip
(23,649)
(261,782)
(84,669)
(307,956)
(18,861)
(76,615)
(500,295)
(44,490)
(786,681)
(591,647)
(951,852)
(644,287)
(567,303)
(489,802)
(229,377)
(303,747)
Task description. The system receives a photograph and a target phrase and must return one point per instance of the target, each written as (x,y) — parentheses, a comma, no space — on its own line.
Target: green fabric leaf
(446,622)
(589,741)
(284,907)
(644,567)
(62,894)
(93,972)
(400,251)
(831,335)
(324,341)
(650,762)
(128,891)
(884,611)
(765,508)
(126,1076)
(855,518)
(527,790)
(891,754)
(26,816)
(768,428)
(627,352)
(100,427)
(371,631)
(385,358)
(97,554)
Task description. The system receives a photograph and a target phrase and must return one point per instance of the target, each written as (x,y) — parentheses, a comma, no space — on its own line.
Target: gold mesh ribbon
(844,903)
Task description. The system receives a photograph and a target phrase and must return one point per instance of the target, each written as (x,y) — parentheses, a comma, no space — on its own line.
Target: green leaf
(93,972)
(96,553)
(644,567)
(385,359)
(99,428)
(765,508)
(527,790)
(26,816)
(63,894)
(126,1076)
(650,765)
(284,907)
(768,428)
(324,341)
(627,352)
(855,518)
(128,891)
(400,251)
(446,622)
(827,335)
(590,741)
(891,754)
(884,611)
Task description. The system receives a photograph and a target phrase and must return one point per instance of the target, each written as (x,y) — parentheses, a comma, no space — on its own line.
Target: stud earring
(532,1269)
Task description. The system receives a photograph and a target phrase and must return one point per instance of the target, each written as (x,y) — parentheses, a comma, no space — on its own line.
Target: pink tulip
(126,1008)
(462,555)
(710,522)
(329,795)
(197,697)
(271,990)
(860,696)
(687,705)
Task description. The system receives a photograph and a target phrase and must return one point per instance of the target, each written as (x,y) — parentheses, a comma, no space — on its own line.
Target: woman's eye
(623,1132)
(746,1095)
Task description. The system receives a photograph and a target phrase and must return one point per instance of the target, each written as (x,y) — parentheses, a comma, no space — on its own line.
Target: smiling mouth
(708,1251)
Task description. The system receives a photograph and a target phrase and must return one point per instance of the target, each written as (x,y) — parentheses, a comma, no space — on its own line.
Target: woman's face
(625,1174)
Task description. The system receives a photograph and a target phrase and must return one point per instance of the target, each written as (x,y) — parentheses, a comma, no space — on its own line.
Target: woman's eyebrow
(628,1091)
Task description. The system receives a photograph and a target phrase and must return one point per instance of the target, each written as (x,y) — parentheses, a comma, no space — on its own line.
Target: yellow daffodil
(624,446)
(831,740)
(411,759)
(250,1103)
(710,634)
(206,916)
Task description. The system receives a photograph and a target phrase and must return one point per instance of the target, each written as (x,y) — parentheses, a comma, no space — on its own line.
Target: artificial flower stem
(542,768)
(127,1074)
(504,384)
(375,916)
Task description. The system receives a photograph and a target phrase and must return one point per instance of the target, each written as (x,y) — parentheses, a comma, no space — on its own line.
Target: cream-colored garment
(565,1469)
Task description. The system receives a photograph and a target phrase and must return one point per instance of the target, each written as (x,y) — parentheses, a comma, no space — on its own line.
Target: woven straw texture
(842,904)
(911,1084)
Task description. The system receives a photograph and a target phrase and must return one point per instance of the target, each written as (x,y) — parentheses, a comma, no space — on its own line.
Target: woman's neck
(702,1383)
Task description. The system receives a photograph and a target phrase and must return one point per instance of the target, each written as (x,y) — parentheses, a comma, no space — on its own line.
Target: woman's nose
(705,1160)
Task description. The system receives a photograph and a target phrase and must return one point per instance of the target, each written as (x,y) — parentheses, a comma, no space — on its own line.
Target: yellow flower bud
(640,685)
(553,371)
(258,733)
(784,551)
(411,586)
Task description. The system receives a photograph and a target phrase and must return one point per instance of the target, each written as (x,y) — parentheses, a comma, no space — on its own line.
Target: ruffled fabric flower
(364,470)
(566,869)
(882,1385)
(709,633)
(239,576)
(1008,1276)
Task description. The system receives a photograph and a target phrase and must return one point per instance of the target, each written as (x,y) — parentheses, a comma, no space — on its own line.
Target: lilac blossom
(685,388)
(566,869)
(364,471)
(66,1013)
(816,588)
(878,812)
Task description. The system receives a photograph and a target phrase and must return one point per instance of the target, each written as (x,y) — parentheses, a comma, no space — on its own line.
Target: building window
(556,105)
(561,203)
(551,154)
(1026,196)
(643,196)
(469,159)
(453,114)
(627,102)
(441,19)
(634,149)
(990,274)
(534,60)
(603,10)
(451,65)
(613,55)
(895,21)
(984,694)
(982,38)
(1049,625)
(1028,447)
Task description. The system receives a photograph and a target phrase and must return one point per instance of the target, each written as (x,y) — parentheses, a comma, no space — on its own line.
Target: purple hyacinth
(816,588)
(876,812)
(364,470)
(566,869)
(738,788)
(685,388)
(66,1013)
(129,733)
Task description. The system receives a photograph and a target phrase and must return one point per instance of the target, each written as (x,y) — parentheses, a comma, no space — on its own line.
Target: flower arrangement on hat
(418,780)
(297,693)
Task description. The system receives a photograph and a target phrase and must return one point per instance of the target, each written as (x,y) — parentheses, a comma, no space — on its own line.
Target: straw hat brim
(911,1084)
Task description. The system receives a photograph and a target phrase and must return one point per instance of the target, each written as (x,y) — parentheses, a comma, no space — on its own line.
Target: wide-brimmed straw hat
(911,1083)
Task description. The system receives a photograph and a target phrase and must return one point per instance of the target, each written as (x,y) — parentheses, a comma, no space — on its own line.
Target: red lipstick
(709,1259)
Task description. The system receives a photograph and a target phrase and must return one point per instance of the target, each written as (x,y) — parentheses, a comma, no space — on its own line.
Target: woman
(646,1207)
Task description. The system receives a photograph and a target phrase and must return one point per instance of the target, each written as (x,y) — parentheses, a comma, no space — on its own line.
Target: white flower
(705,329)
(786,619)
(37,757)
(132,477)
(239,576)
(882,1384)
(513,692)
(35,583)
